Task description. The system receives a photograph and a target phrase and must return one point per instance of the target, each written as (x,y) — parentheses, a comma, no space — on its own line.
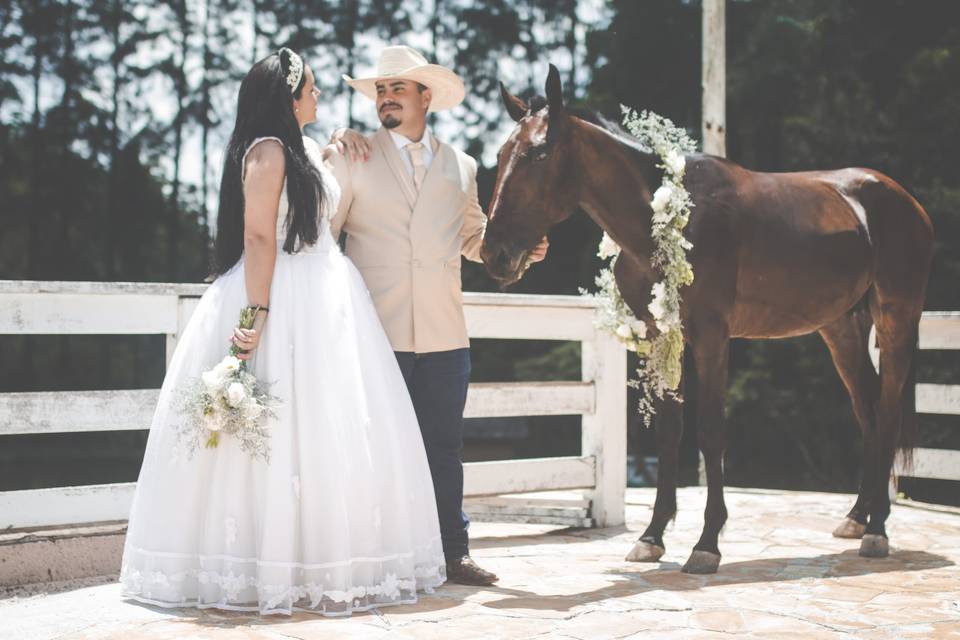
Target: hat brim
(445,86)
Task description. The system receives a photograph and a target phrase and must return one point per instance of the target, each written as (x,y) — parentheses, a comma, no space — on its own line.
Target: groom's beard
(390,122)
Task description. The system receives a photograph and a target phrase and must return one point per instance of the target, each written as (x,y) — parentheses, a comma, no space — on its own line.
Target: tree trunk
(112,231)
(180,84)
(205,139)
(572,45)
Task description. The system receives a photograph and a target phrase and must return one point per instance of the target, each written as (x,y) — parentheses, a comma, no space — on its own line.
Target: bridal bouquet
(230,400)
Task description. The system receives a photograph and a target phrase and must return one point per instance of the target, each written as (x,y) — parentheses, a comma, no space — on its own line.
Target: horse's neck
(616,192)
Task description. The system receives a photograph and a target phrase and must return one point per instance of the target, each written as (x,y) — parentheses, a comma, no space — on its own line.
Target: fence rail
(938,330)
(28,307)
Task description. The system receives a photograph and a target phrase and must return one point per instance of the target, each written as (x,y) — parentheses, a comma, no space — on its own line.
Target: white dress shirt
(402,141)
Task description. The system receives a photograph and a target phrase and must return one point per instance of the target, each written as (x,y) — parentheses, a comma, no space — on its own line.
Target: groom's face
(402,102)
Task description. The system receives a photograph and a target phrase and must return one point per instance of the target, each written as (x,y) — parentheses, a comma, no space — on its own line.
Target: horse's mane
(597,119)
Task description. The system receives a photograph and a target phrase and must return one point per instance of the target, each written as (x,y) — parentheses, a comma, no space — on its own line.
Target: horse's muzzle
(502,263)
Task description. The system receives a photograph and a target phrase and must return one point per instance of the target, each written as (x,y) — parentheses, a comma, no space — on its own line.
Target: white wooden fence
(136,308)
(938,330)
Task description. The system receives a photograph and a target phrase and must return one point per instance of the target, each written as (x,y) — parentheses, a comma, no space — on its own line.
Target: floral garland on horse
(661,357)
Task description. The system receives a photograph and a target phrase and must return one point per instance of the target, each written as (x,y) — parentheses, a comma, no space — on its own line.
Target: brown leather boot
(465,571)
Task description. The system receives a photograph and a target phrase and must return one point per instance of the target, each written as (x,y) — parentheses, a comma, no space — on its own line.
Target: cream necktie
(415,149)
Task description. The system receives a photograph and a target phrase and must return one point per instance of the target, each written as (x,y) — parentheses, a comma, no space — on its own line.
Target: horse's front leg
(669,429)
(711,346)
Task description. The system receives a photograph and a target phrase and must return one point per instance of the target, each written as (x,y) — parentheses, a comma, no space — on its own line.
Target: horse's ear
(516,107)
(554,89)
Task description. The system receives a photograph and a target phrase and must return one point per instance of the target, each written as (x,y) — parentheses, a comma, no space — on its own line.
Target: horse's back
(799,246)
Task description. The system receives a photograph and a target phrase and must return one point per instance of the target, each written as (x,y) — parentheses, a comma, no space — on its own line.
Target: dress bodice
(331,193)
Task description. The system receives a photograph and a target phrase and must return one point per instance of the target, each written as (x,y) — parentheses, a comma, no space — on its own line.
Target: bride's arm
(265,170)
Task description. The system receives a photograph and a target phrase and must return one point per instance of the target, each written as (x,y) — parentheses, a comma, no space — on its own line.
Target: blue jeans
(437,383)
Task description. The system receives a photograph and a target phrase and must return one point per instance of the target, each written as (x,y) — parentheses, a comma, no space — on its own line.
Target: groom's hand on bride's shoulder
(351,143)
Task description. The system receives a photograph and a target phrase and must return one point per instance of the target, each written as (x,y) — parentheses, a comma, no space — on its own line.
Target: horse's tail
(909,425)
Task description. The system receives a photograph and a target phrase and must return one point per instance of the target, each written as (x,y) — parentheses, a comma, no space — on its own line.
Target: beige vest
(407,246)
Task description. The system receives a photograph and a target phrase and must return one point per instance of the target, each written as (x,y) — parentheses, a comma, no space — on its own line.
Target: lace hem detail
(270,587)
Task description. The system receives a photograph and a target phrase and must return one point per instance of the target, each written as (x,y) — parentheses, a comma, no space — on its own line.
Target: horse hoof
(645,552)
(874,546)
(702,562)
(849,528)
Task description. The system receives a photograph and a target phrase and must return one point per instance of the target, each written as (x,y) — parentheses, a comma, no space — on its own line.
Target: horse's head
(536,186)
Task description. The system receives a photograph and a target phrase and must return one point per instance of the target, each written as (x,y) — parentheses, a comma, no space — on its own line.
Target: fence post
(604,433)
(186,305)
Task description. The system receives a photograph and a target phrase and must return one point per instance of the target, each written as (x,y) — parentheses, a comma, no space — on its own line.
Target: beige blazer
(407,246)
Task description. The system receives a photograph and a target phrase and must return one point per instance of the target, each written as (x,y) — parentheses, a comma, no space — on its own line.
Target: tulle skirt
(342,518)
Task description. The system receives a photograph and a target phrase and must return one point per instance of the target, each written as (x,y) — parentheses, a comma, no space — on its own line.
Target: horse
(774,255)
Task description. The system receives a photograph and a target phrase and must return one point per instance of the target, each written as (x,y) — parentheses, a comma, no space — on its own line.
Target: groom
(409,212)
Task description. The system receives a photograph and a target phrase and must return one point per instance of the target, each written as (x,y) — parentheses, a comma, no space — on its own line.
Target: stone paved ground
(782,576)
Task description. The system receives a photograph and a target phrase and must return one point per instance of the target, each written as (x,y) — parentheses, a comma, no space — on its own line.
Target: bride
(342,518)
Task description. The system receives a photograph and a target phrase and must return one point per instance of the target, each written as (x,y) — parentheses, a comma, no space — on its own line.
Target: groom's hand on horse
(351,143)
(539,252)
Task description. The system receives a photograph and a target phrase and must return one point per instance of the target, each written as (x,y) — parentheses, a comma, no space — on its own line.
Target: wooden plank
(940,330)
(936,464)
(502,399)
(713,77)
(938,398)
(101,503)
(531,323)
(70,411)
(65,505)
(564,520)
(567,499)
(123,410)
(472,507)
(478,299)
(112,288)
(535,474)
(43,313)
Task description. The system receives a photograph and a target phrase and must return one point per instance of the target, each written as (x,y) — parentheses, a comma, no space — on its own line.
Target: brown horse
(774,255)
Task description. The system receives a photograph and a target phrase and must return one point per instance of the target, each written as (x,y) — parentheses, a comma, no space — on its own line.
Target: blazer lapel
(441,180)
(395,162)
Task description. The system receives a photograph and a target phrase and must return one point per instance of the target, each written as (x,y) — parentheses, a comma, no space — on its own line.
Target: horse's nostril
(503,258)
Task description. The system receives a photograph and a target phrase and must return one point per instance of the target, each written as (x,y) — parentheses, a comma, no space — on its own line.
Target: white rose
(656,306)
(253,408)
(639,328)
(608,248)
(676,163)
(228,366)
(236,394)
(661,197)
(211,421)
(624,331)
(212,380)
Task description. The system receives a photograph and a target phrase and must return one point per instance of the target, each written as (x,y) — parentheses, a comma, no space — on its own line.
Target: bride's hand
(245,339)
(351,143)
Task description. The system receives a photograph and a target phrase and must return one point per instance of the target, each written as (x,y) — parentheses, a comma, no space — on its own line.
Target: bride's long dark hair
(265,108)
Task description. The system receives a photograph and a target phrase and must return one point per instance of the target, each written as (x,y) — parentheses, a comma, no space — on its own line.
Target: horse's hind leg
(847,339)
(897,325)
(669,429)
(903,240)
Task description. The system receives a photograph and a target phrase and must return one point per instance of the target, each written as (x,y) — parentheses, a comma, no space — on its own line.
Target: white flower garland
(661,357)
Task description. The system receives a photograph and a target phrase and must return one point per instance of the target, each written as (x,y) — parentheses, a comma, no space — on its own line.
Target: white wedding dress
(343,517)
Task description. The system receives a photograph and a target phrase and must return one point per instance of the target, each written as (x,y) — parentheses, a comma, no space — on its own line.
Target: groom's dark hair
(265,108)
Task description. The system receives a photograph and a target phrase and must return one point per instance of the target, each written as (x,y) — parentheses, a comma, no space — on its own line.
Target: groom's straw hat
(404,63)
